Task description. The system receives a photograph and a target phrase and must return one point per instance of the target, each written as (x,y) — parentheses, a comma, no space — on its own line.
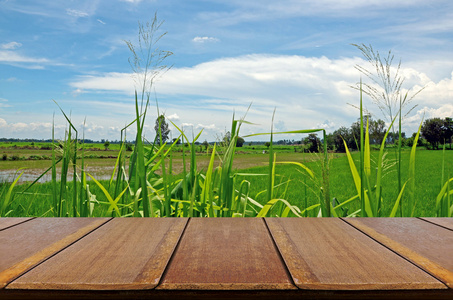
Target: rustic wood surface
(329,254)
(124,254)
(226,258)
(444,222)
(235,253)
(27,244)
(427,245)
(8,222)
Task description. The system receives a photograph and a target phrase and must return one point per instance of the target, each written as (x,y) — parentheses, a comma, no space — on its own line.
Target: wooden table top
(226,258)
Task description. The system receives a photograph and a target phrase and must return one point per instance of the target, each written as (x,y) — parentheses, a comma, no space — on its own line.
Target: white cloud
(206,127)
(326,125)
(203,39)
(76,13)
(100,21)
(13,57)
(304,91)
(21,129)
(114,81)
(173,117)
(411,123)
(10,46)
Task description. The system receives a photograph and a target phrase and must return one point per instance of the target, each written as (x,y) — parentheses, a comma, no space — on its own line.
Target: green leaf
(113,204)
(395,207)
(7,197)
(310,172)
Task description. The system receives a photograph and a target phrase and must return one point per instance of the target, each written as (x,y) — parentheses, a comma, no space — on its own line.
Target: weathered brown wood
(444,222)
(124,254)
(8,222)
(155,294)
(328,254)
(226,254)
(427,245)
(25,245)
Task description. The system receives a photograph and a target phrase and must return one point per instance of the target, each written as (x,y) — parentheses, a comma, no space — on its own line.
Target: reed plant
(148,188)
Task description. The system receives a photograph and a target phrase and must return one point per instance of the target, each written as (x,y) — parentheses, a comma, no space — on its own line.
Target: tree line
(434,132)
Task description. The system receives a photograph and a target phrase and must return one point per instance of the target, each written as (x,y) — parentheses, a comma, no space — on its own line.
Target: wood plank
(444,222)
(8,222)
(328,254)
(25,245)
(226,254)
(427,245)
(124,254)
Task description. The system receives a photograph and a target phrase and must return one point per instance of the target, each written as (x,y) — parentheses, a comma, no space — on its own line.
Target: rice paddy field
(290,180)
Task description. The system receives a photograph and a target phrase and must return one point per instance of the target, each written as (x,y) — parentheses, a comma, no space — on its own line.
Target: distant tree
(313,142)
(239,142)
(410,141)
(448,130)
(345,134)
(206,145)
(106,145)
(267,144)
(433,131)
(330,141)
(161,129)
(377,131)
(177,140)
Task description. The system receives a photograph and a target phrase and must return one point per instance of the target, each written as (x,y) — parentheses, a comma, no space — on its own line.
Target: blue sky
(292,56)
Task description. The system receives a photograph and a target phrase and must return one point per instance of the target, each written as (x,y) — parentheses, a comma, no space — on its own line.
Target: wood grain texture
(427,245)
(328,254)
(25,245)
(226,254)
(124,254)
(444,222)
(8,222)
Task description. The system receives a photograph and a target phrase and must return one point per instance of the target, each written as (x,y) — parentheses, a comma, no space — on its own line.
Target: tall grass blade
(140,161)
(113,203)
(362,167)
(397,202)
(9,195)
(442,200)
(265,210)
(54,173)
(411,198)
(365,203)
(380,167)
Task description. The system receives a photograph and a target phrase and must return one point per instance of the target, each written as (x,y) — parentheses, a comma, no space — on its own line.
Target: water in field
(100,173)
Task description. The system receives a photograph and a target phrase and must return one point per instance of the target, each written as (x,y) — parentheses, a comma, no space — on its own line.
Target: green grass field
(428,181)
(292,182)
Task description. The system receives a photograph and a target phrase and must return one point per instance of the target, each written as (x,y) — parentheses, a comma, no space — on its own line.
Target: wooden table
(288,258)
